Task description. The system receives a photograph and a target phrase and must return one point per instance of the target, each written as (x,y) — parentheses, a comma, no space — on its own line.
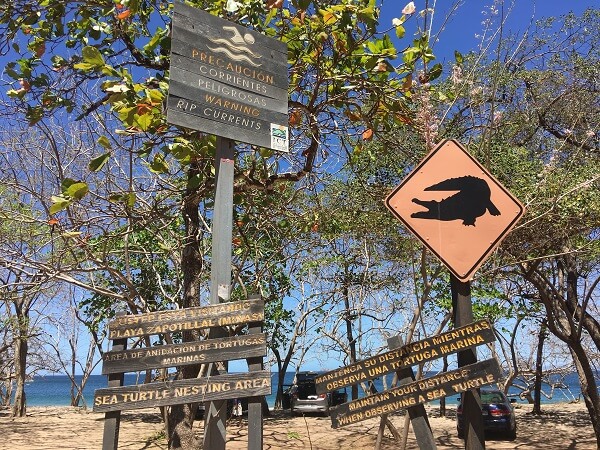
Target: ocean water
(54,390)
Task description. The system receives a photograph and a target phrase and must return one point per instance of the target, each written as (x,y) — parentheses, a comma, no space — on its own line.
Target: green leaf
(16,93)
(400,31)
(459,57)
(11,72)
(114,198)
(86,67)
(181,152)
(104,142)
(77,190)
(97,163)
(143,121)
(130,199)
(65,183)
(159,165)
(270,16)
(435,72)
(59,204)
(92,55)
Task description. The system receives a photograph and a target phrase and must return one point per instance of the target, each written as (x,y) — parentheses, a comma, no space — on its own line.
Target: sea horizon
(54,389)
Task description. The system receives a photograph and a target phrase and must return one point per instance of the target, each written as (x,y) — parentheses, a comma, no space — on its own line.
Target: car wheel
(512,434)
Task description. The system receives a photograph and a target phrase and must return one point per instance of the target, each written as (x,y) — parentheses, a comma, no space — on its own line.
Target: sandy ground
(562,427)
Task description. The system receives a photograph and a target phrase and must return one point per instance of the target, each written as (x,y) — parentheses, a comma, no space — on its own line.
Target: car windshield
(492,397)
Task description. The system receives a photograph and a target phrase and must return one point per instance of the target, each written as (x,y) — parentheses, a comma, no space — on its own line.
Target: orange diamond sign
(455,207)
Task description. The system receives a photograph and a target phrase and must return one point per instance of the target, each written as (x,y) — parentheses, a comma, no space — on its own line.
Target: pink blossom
(409,8)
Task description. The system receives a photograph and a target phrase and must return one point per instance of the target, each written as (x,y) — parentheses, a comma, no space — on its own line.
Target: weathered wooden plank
(417,413)
(189,85)
(471,335)
(275,98)
(277,138)
(265,78)
(205,23)
(255,409)
(218,387)
(187,353)
(240,124)
(112,419)
(428,389)
(231,313)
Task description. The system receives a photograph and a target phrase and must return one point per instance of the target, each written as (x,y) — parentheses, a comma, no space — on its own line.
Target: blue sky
(461,33)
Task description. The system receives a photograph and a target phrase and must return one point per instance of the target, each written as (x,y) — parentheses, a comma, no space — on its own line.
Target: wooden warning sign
(251,346)
(231,313)
(193,390)
(187,353)
(477,333)
(227,80)
(422,391)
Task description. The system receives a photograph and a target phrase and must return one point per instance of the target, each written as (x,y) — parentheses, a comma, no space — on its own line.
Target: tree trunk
(20,405)
(561,306)
(181,417)
(349,331)
(589,387)
(280,380)
(537,387)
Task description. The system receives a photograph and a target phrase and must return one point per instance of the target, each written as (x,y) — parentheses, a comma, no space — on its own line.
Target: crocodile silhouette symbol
(470,202)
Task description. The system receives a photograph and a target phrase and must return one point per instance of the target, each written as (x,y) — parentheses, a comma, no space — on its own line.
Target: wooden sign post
(215,389)
(232,82)
(471,401)
(112,419)
(411,394)
(215,413)
(417,414)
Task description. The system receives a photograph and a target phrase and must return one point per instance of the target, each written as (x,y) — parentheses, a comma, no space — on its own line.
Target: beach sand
(562,426)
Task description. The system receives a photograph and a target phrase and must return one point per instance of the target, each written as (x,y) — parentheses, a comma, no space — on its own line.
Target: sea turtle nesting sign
(227,80)
(455,207)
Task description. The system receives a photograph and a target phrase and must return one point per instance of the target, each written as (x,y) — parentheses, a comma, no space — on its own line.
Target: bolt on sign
(227,80)
(455,207)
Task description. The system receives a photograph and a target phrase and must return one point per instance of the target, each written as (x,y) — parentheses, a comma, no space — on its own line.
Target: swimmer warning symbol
(452,204)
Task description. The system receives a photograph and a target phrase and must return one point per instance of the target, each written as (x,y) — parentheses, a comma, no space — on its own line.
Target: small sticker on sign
(279,138)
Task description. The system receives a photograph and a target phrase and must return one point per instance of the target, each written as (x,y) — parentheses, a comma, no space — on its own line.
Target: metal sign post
(215,430)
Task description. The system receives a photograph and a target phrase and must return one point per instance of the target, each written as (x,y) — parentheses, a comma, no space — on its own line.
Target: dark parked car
(498,414)
(304,397)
